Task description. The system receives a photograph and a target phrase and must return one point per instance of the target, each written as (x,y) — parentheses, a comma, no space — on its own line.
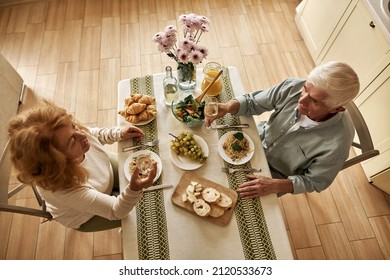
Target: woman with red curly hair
(70,168)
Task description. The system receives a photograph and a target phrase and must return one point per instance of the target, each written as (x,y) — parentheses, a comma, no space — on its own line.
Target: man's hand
(262,186)
(231,107)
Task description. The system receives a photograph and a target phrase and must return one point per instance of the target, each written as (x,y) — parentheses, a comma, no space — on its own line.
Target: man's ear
(338,109)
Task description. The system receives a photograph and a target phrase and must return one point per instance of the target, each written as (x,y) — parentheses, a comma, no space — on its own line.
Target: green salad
(188,110)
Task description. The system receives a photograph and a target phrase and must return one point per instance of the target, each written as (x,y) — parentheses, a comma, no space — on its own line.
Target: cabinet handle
(372,24)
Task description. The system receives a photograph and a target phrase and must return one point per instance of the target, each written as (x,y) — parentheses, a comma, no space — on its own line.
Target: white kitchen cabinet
(355,37)
(317,21)
(382,180)
(359,44)
(374,104)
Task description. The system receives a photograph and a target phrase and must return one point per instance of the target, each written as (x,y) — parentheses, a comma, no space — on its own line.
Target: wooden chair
(11,94)
(365,141)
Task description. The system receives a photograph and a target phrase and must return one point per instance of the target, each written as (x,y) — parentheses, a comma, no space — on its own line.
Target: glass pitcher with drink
(211,70)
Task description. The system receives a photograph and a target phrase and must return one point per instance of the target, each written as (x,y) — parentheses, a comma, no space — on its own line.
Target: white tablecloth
(189,236)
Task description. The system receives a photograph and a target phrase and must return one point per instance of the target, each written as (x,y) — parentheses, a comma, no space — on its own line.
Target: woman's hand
(138,183)
(132,132)
(262,186)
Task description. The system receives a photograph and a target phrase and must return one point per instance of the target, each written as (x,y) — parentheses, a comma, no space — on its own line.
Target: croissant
(136,96)
(143,116)
(146,99)
(133,119)
(136,108)
(129,100)
(122,113)
(152,110)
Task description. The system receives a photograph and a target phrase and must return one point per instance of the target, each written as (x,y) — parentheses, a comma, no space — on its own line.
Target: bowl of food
(187,110)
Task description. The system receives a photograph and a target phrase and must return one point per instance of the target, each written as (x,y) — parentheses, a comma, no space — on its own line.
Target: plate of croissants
(139,109)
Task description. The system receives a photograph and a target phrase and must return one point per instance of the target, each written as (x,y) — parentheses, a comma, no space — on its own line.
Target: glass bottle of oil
(171,90)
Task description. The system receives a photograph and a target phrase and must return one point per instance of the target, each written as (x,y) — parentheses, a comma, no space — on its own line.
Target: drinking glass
(210,110)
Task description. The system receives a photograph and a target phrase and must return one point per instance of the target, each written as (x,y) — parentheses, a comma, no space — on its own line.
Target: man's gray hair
(338,80)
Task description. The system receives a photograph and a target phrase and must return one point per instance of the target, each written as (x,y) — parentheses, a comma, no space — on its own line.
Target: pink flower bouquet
(187,49)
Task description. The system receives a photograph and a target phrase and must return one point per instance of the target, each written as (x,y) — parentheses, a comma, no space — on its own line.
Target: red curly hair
(33,154)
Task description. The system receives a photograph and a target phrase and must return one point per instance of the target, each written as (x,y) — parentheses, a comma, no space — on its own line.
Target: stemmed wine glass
(210,110)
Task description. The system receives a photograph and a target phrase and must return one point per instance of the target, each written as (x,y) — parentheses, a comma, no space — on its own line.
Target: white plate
(153,155)
(141,122)
(227,158)
(186,163)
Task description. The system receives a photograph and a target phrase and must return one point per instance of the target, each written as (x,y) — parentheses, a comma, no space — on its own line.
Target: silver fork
(146,144)
(232,170)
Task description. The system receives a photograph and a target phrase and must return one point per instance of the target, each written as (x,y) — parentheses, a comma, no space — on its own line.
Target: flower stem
(199,36)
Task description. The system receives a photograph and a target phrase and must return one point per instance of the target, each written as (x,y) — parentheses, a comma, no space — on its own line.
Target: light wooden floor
(75,51)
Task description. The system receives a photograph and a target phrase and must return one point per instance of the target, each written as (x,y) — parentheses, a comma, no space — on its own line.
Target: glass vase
(186,76)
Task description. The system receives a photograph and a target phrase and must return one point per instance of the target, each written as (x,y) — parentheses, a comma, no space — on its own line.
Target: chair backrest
(365,141)
(11,89)
(9,96)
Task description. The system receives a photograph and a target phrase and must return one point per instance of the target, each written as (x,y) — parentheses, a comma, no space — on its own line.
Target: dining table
(160,229)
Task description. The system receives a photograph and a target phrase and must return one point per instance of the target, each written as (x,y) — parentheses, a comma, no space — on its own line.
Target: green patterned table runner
(254,234)
(152,232)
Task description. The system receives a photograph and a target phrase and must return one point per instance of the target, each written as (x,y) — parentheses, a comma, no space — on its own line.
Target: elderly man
(308,136)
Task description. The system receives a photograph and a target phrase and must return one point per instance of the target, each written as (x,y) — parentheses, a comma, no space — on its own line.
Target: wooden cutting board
(186,180)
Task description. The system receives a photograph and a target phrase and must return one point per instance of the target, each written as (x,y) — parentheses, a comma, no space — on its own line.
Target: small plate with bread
(139,109)
(205,199)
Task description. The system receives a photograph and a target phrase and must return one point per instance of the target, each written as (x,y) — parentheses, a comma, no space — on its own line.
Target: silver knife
(156,187)
(225,126)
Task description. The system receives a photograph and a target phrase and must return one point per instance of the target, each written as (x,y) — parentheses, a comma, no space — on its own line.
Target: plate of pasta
(236,147)
(131,162)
